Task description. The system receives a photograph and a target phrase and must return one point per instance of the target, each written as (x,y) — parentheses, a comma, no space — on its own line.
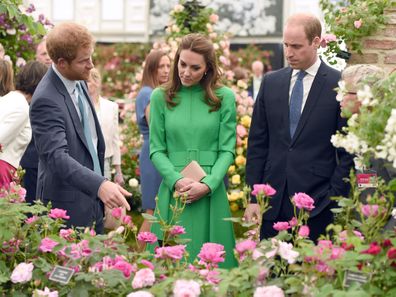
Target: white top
(15,130)
(307,81)
(107,113)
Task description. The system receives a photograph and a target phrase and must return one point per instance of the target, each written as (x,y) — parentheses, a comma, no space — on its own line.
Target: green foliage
(352,20)
(19,31)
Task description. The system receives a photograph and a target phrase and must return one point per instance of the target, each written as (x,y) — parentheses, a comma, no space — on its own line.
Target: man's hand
(194,191)
(252,213)
(113,195)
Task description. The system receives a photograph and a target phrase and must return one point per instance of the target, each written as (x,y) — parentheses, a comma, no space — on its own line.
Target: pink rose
(57,213)
(116,213)
(343,235)
(264,189)
(302,200)
(123,266)
(303,231)
(326,38)
(147,237)
(370,210)
(147,264)
(293,222)
(143,278)
(245,246)
(47,245)
(126,220)
(175,252)
(336,253)
(66,233)
(212,276)
(357,24)
(186,288)
(47,292)
(31,220)
(213,18)
(211,253)
(140,294)
(22,273)
(241,131)
(268,291)
(177,230)
(280,226)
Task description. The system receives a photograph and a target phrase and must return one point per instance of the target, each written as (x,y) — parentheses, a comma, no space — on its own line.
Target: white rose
(133,183)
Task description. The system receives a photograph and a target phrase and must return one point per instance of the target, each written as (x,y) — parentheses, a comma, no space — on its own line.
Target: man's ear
(61,63)
(316,41)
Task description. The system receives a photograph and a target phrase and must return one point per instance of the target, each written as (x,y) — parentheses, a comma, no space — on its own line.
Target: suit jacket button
(290,149)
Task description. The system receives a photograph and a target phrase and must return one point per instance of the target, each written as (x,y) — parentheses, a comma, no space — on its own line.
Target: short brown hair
(66,39)
(29,76)
(6,77)
(201,45)
(311,24)
(150,70)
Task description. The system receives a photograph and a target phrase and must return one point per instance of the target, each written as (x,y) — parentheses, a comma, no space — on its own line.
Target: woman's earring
(205,73)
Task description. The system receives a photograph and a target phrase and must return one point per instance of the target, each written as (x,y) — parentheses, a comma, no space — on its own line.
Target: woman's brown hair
(201,45)
(150,70)
(6,77)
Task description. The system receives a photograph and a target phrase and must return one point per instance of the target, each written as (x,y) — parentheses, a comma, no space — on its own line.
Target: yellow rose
(245,142)
(234,195)
(231,169)
(246,121)
(234,206)
(240,160)
(239,150)
(236,179)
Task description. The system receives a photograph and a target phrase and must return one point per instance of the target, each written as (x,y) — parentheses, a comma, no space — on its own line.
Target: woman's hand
(181,183)
(193,191)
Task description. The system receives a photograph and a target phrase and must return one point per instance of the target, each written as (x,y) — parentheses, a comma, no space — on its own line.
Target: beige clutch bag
(194,171)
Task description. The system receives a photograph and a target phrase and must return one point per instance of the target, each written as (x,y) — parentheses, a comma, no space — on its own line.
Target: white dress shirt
(307,81)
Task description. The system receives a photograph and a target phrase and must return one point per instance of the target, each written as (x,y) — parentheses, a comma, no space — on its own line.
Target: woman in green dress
(193,117)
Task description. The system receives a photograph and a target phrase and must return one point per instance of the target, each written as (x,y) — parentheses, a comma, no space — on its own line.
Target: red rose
(391,253)
(374,249)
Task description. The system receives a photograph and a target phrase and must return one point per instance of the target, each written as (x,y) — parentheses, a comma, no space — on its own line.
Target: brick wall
(380,49)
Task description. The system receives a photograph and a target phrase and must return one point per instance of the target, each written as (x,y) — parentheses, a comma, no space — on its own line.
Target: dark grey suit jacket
(308,162)
(65,173)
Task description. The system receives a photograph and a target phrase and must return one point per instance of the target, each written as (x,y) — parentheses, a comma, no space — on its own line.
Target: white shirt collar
(69,84)
(311,70)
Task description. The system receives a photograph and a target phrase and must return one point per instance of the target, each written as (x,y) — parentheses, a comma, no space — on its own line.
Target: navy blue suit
(29,163)
(308,162)
(65,173)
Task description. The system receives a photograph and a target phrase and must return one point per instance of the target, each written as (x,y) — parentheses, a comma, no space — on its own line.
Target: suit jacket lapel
(284,102)
(312,100)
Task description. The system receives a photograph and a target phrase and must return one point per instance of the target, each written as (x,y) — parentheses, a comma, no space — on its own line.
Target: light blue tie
(83,106)
(296,100)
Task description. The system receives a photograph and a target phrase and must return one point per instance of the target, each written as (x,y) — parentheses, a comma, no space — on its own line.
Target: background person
(257,76)
(42,53)
(193,117)
(15,130)
(67,133)
(107,112)
(294,117)
(155,72)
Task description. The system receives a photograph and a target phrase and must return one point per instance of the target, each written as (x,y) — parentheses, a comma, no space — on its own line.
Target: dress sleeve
(116,160)
(158,145)
(227,140)
(142,100)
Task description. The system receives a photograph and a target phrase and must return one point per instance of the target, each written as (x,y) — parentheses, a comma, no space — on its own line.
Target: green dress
(188,132)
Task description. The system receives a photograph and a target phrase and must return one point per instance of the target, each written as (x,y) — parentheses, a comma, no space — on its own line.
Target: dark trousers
(30,184)
(317,225)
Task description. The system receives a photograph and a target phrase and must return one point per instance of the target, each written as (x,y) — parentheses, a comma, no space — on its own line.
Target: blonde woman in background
(107,112)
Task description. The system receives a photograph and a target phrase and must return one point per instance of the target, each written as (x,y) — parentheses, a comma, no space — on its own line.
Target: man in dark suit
(67,134)
(294,117)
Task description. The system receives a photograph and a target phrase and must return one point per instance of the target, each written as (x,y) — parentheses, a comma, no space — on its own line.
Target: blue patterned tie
(296,100)
(83,105)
